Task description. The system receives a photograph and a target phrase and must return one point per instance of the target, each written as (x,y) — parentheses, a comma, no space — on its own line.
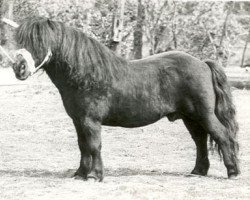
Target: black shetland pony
(99,88)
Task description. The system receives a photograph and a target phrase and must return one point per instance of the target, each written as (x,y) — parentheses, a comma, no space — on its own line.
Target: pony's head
(24,64)
(34,39)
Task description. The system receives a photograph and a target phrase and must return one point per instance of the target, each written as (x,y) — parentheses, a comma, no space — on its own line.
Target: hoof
(77,177)
(233,177)
(233,173)
(192,175)
(93,178)
(90,177)
(199,172)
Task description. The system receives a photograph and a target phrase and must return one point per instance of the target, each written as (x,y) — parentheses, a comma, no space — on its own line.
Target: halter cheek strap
(45,60)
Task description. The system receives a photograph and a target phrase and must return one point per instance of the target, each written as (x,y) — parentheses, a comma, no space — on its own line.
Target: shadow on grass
(108,172)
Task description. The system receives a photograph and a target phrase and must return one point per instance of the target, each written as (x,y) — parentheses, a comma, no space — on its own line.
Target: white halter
(30,61)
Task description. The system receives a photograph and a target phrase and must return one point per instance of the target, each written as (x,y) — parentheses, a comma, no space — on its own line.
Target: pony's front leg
(89,141)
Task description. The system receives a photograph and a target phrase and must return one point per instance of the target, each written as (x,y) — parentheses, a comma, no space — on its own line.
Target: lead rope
(6,54)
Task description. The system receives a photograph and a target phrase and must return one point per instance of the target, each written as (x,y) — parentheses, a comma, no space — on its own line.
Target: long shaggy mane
(84,57)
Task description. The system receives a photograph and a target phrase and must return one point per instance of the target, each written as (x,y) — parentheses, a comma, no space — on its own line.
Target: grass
(39,154)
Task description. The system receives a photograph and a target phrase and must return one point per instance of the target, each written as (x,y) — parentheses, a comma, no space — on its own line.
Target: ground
(39,153)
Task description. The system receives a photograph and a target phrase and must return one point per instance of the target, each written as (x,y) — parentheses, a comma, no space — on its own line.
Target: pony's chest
(69,102)
(79,104)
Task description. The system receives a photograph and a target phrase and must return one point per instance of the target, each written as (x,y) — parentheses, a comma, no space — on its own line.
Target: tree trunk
(138,33)
(245,49)
(210,38)
(174,28)
(224,29)
(222,53)
(6,10)
(117,26)
(154,17)
(3,38)
(158,38)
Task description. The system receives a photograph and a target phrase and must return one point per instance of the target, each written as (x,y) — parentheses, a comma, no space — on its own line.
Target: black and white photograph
(124,100)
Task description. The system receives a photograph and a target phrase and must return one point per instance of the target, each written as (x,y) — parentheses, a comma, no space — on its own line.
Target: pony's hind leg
(220,135)
(199,136)
(89,141)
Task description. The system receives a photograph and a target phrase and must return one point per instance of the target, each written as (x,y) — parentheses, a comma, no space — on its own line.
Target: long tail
(224,109)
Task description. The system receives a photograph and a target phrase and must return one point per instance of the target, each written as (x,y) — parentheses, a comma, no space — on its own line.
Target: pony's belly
(127,124)
(131,121)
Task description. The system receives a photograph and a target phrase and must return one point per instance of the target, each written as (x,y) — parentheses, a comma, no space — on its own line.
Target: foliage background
(191,26)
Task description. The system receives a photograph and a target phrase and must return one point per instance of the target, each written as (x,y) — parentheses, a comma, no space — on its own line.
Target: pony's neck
(57,75)
(64,78)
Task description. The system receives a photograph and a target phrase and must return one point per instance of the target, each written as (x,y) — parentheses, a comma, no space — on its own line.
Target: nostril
(22,67)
